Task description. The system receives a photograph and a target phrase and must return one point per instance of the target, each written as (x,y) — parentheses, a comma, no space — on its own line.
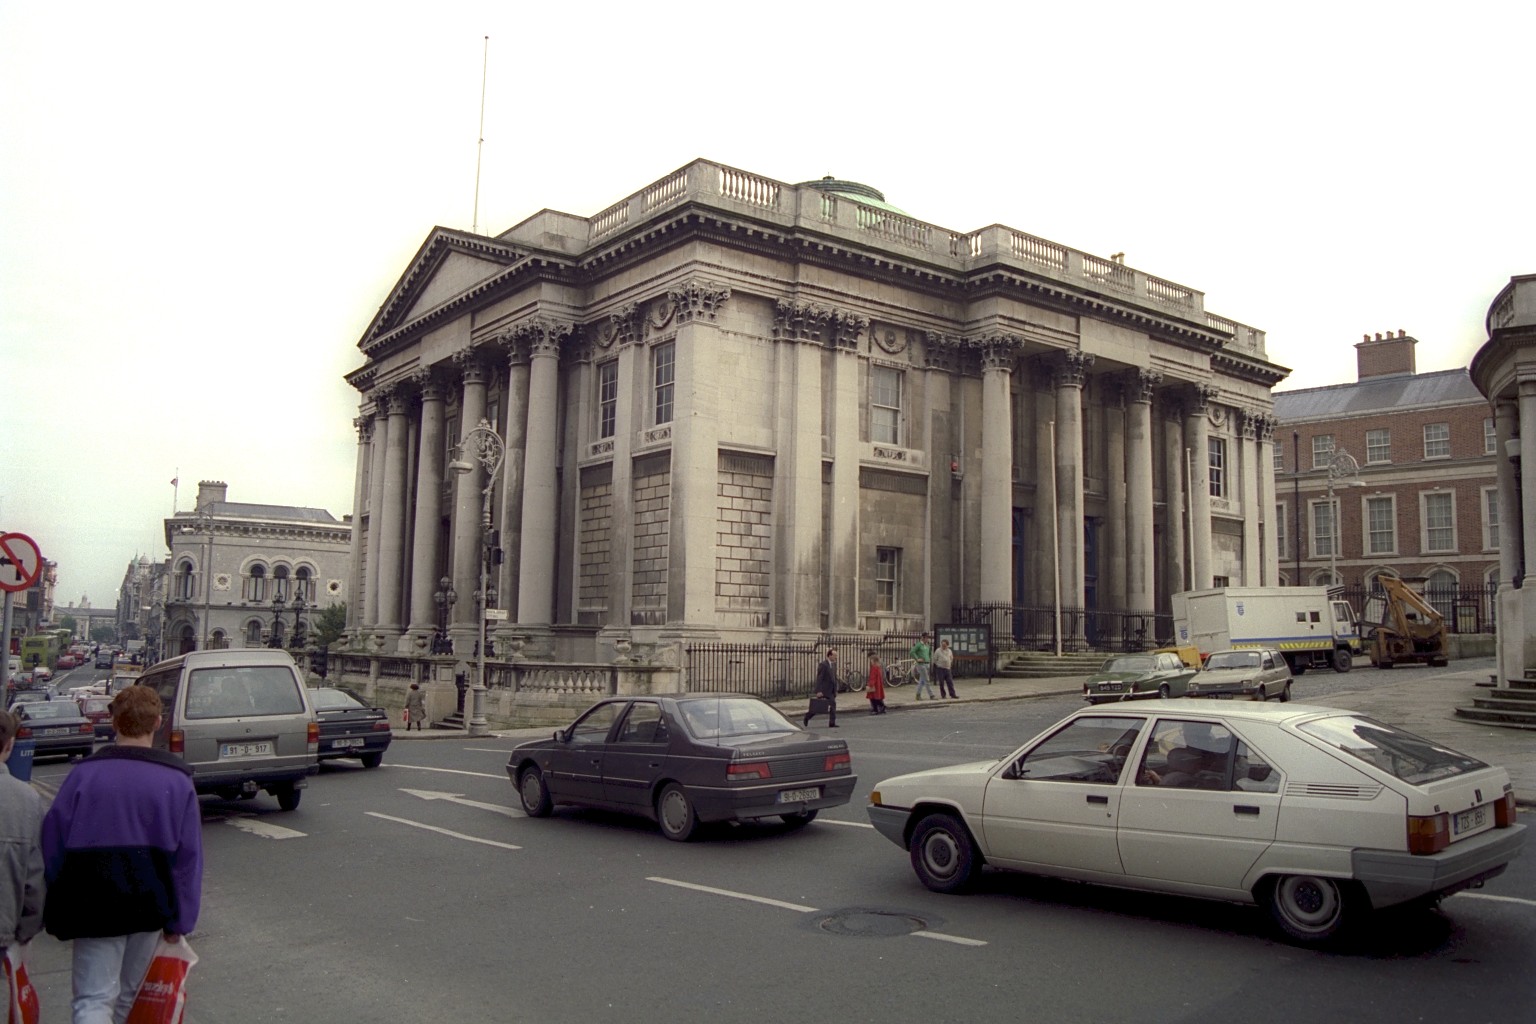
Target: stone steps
(1044,664)
(1511,707)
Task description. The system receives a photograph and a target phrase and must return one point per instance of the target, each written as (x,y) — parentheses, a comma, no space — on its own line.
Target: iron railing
(1035,628)
(780,669)
(1466,608)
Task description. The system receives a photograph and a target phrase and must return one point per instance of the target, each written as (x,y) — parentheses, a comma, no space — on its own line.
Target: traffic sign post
(20,563)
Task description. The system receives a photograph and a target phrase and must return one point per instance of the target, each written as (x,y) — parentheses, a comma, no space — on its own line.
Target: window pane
(885,405)
(1490,437)
(607,398)
(1383,525)
(887,575)
(1437,440)
(1218,468)
(1439,523)
(1378,446)
(663,367)
(1322,529)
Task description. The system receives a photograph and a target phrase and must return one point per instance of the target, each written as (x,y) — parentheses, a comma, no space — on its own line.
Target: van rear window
(243,691)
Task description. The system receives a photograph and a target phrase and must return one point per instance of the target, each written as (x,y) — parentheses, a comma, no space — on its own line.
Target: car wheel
(1285,694)
(1163,691)
(800,819)
(943,854)
(674,812)
(1309,908)
(533,793)
(373,760)
(288,797)
(1342,661)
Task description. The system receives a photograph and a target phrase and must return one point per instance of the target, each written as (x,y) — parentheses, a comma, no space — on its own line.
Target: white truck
(1308,625)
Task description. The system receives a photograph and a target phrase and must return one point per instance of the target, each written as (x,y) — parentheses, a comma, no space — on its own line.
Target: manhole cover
(871,922)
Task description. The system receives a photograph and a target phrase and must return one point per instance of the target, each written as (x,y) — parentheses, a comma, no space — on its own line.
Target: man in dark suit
(825,689)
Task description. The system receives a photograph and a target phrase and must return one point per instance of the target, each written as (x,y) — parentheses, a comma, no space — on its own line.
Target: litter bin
(20,763)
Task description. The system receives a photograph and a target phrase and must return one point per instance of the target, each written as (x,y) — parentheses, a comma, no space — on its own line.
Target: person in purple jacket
(123,856)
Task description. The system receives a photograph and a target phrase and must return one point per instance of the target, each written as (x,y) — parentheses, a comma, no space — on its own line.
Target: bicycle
(851,680)
(899,673)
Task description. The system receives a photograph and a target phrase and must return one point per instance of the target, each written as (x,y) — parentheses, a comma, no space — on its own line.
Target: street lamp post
(1343,471)
(298,623)
(485,447)
(445,597)
(276,639)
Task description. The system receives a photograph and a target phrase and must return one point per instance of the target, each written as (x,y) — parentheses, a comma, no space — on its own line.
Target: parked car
(57,727)
(1138,676)
(684,759)
(1316,814)
(349,727)
(99,710)
(240,719)
(1257,673)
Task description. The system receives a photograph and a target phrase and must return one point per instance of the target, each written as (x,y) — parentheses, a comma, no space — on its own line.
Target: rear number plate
(795,796)
(1470,821)
(348,743)
(53,732)
(263,749)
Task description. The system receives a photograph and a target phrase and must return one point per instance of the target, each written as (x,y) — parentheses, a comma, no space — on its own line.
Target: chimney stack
(210,491)
(1387,356)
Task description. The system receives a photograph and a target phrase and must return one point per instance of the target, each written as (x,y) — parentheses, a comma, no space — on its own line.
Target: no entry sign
(20,562)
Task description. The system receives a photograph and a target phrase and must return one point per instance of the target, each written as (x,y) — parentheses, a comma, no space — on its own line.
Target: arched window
(280,583)
(303,586)
(256,583)
(1440,588)
(219,640)
(183,581)
(253,633)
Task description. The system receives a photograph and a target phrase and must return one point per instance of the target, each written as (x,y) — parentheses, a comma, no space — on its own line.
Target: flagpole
(175,490)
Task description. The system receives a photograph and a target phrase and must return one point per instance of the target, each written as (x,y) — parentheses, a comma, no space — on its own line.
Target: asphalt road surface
(416,892)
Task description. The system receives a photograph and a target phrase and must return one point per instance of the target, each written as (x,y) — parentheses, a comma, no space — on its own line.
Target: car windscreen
(243,690)
(1233,659)
(726,717)
(326,699)
(1401,754)
(1134,664)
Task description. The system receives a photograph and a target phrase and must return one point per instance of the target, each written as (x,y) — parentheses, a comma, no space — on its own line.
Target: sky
(203,205)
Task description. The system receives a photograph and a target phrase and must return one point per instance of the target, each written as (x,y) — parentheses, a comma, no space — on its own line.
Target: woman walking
(875,688)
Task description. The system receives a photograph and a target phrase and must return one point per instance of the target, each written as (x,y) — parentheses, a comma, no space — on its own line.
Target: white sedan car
(1314,813)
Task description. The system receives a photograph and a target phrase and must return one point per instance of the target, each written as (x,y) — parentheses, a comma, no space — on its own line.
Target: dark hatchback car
(57,727)
(685,759)
(349,727)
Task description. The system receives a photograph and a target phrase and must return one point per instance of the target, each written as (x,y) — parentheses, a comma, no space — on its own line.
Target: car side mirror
(559,736)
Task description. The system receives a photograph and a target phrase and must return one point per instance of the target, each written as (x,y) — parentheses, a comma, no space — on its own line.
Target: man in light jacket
(21,851)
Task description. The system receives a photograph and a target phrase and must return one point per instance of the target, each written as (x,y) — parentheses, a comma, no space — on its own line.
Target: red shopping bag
(162,997)
(22,1001)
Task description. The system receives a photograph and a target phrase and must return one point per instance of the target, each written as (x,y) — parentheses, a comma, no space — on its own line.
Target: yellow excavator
(1405,629)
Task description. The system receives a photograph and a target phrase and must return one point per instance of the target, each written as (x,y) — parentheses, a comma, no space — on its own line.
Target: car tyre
(1285,694)
(288,797)
(533,793)
(943,854)
(800,819)
(1164,692)
(372,760)
(675,814)
(1310,909)
(1342,662)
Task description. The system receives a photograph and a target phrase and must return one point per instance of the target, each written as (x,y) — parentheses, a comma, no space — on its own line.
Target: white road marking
(266,830)
(487,750)
(956,939)
(850,824)
(459,798)
(443,831)
(450,771)
(797,907)
(1501,899)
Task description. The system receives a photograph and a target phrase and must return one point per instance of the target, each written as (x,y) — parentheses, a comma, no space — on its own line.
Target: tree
(330,623)
(103,634)
(68,622)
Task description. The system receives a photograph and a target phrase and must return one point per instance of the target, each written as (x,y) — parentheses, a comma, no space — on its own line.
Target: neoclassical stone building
(734,406)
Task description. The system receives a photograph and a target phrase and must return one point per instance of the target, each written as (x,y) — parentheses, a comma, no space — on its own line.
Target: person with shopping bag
(21,876)
(123,856)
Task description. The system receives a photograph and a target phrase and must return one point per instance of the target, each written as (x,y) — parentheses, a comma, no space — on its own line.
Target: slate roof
(1378,394)
(246,510)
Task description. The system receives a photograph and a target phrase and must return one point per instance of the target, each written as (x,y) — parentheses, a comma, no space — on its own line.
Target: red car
(99,711)
(67,661)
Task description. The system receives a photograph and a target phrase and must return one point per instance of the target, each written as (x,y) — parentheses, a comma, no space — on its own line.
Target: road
(416,892)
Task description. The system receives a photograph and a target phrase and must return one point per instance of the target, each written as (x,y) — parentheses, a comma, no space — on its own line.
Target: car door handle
(1244,809)
(1098,799)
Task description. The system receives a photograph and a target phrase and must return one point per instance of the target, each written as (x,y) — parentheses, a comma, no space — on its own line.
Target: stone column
(999,353)
(1071,373)
(1197,433)
(1175,468)
(536,556)
(1506,416)
(797,470)
(392,526)
(359,502)
(426,571)
(1528,470)
(512,484)
(1270,575)
(840,334)
(375,509)
(1113,543)
(467,497)
(1045,553)
(1140,559)
(1253,559)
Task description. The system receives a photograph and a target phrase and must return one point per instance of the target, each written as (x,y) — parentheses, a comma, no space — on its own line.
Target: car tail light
(176,743)
(313,736)
(1429,833)
(841,759)
(748,770)
(88,727)
(24,733)
(1504,810)
(382,725)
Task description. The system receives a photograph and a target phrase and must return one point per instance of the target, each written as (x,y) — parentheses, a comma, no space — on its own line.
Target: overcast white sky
(202,205)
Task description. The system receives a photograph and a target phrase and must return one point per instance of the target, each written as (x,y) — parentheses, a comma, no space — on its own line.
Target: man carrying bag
(824,691)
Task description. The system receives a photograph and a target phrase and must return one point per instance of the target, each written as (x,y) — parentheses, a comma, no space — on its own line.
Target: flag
(175,481)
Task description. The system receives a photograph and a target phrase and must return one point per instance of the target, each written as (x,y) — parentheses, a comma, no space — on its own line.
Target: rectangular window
(1490,518)
(1281,518)
(887,579)
(1381,526)
(663,376)
(607,398)
(1378,446)
(1218,458)
(1279,457)
(1437,440)
(1439,521)
(885,404)
(1324,535)
(1322,450)
(1490,437)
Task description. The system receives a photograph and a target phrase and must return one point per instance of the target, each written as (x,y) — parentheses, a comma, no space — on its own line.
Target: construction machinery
(1403,628)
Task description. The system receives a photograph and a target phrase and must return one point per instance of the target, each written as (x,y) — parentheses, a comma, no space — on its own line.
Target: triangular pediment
(448,265)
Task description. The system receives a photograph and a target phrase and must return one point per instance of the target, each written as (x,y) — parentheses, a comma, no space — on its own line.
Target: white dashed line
(443,831)
(956,939)
(450,771)
(797,907)
(1501,899)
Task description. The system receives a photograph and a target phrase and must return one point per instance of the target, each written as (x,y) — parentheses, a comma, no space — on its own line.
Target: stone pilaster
(1071,372)
(543,337)
(1527,471)
(1269,575)
(1176,521)
(1197,436)
(1512,550)
(359,500)
(425,569)
(1140,556)
(1250,425)
(512,473)
(999,354)
(467,497)
(392,524)
(1113,543)
(375,510)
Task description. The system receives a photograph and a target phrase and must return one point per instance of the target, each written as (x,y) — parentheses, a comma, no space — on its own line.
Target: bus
(39,649)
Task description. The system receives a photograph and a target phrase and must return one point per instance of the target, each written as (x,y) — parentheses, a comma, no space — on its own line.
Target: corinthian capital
(1140,383)
(793,321)
(999,351)
(1071,368)
(542,335)
(1198,399)
(698,299)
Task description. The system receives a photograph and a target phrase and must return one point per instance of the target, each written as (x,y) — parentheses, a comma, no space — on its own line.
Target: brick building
(1414,490)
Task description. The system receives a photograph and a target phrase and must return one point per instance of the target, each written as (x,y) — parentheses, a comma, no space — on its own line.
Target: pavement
(1417,698)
